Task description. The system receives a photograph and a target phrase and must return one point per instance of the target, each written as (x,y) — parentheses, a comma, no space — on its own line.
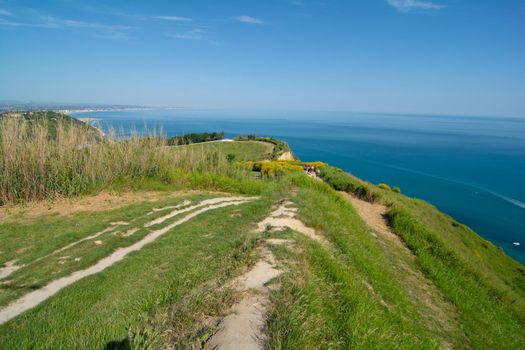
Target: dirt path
(178,206)
(374,215)
(285,216)
(440,314)
(34,298)
(203,203)
(244,327)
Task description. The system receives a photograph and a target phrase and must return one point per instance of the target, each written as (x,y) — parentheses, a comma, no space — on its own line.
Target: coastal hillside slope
(50,119)
(135,244)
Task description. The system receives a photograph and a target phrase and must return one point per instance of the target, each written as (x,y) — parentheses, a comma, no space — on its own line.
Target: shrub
(195,138)
(317,165)
(230,157)
(341,181)
(396,189)
(273,168)
(384,187)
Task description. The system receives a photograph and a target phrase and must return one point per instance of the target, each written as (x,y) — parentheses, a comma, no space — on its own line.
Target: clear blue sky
(462,57)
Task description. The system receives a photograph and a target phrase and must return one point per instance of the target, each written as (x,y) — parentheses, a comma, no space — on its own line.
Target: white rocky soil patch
(285,216)
(8,268)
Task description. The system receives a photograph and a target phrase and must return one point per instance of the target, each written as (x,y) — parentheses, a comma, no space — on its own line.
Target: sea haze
(472,168)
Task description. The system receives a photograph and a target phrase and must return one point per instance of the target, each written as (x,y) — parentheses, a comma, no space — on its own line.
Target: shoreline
(124,109)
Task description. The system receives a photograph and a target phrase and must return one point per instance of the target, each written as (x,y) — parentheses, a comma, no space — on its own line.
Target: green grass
(356,292)
(242,150)
(29,240)
(483,284)
(325,303)
(99,310)
(486,319)
(279,146)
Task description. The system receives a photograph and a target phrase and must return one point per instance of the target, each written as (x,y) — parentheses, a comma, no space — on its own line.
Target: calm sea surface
(471,168)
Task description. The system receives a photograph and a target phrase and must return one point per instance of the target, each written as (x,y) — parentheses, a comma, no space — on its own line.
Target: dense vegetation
(40,162)
(195,137)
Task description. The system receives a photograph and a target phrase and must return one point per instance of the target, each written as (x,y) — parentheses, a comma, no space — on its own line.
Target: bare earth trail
(244,327)
(443,315)
(34,298)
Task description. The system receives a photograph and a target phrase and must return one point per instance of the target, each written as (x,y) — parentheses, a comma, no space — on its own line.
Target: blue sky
(464,57)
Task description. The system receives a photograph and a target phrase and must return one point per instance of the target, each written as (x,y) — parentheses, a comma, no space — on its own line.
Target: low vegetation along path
(34,298)
(440,314)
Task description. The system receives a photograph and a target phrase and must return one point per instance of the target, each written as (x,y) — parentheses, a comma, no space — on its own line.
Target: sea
(472,168)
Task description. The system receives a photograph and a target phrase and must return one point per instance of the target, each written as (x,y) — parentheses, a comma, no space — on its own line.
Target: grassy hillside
(239,151)
(427,283)
(52,121)
(485,285)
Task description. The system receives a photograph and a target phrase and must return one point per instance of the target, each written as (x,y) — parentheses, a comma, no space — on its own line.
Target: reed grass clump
(37,165)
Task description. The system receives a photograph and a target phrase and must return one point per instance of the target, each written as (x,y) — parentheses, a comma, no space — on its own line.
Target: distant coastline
(381,148)
(71,112)
(72,108)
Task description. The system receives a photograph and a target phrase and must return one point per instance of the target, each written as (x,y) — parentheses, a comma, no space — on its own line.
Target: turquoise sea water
(472,168)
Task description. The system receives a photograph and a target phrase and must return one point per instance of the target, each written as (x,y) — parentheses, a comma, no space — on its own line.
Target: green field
(242,150)
(429,283)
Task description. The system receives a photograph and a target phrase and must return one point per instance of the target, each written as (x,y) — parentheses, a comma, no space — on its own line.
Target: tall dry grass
(37,165)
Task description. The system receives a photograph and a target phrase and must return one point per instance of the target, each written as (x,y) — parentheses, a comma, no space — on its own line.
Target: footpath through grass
(100,310)
(344,296)
(484,285)
(34,243)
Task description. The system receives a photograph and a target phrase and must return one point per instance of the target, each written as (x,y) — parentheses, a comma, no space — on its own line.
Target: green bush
(194,137)
(384,187)
(230,157)
(396,189)
(341,181)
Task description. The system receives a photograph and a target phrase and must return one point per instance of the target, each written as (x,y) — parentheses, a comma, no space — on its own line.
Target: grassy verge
(346,296)
(486,319)
(484,285)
